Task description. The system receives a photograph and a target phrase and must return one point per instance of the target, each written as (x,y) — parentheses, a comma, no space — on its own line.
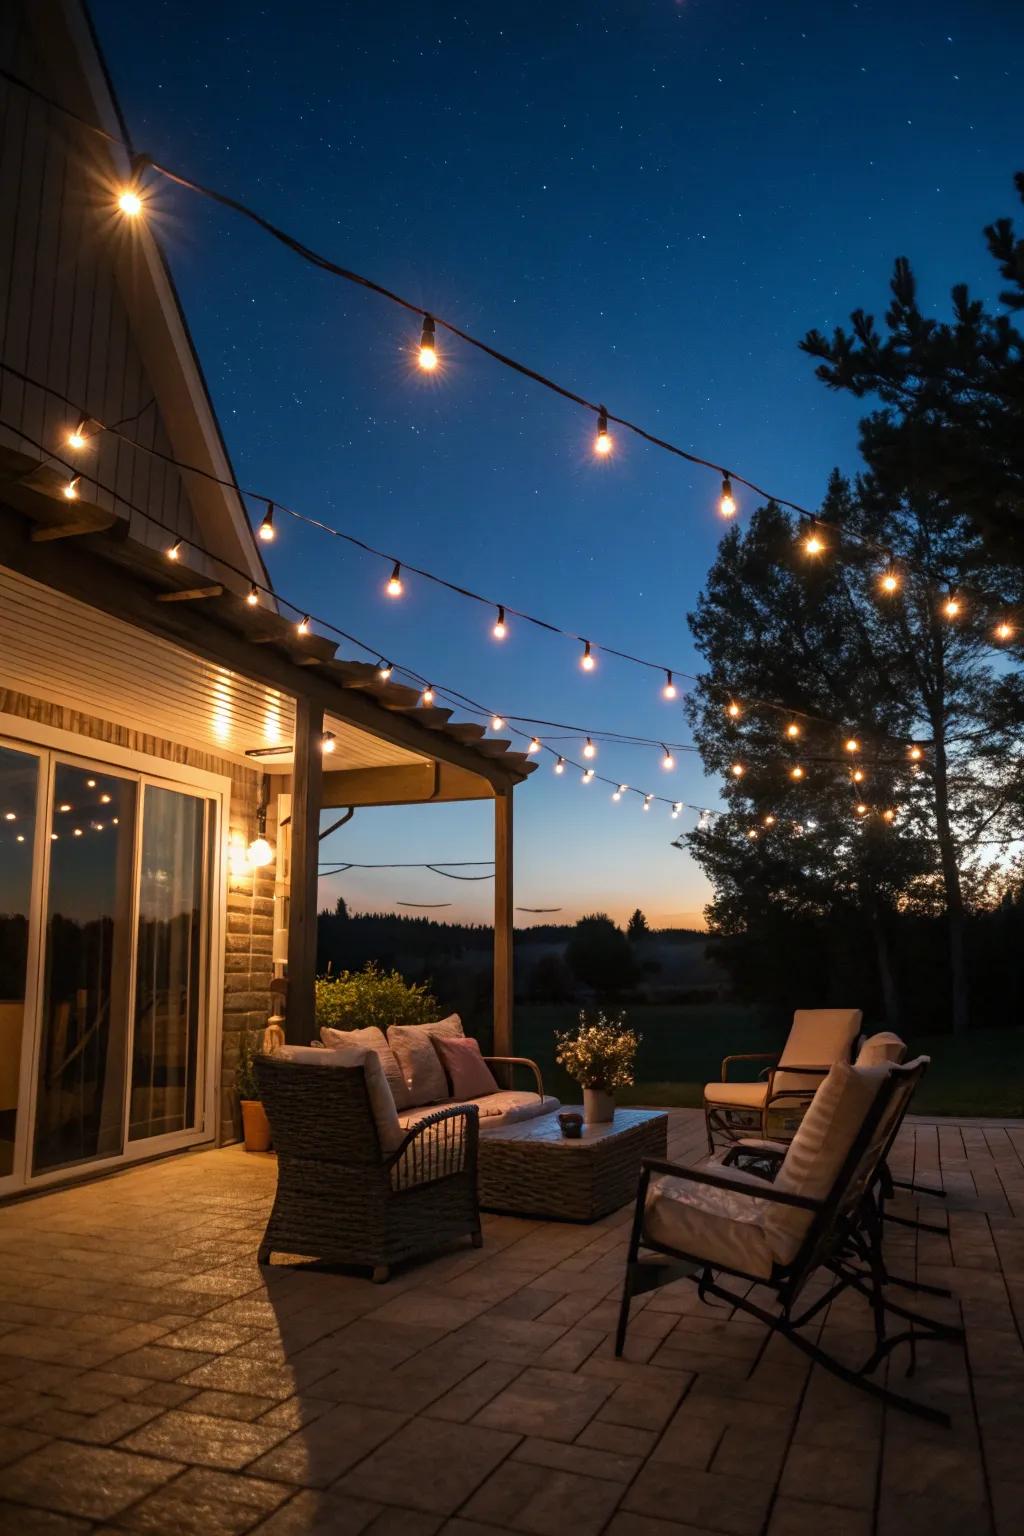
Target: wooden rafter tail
(190,594)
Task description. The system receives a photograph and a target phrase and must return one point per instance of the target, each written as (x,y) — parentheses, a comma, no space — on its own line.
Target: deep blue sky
(650,199)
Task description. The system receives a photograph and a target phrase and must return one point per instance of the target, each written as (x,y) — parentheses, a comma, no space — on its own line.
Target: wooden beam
(72,529)
(504,992)
(402,784)
(300,1018)
(190,594)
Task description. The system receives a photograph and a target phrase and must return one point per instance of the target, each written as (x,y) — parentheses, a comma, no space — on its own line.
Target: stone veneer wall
(249,924)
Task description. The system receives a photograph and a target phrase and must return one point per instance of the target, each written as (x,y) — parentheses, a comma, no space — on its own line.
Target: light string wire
(141,161)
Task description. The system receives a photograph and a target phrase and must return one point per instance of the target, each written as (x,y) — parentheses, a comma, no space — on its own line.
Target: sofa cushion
(372,1039)
(469,1076)
(382,1105)
(738,1095)
(418,1062)
(718,1225)
(881,1048)
(496,1109)
(818,1150)
(817,1038)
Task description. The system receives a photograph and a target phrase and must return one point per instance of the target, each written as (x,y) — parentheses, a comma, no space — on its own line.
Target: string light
(174,553)
(1004,631)
(497,723)
(427,696)
(327,743)
(253,596)
(534,746)
(669,691)
(861,809)
(792,730)
(394,586)
(916,754)
(587,661)
(668,762)
(813,545)
(769,821)
(384,670)
(951,607)
(428,346)
(852,744)
(130,202)
(733,710)
(589,750)
(560,765)
(737,770)
(889,815)
(71,489)
(647,802)
(890,582)
(752,833)
(676,808)
(857,775)
(797,772)
(588,774)
(616,794)
(266,528)
(500,629)
(603,441)
(78,436)
(727,501)
(302,627)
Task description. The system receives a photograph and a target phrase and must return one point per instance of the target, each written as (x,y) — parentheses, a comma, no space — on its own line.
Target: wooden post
(307,774)
(503,918)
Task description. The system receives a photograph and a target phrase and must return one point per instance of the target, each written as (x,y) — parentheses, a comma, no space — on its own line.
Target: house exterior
(163,778)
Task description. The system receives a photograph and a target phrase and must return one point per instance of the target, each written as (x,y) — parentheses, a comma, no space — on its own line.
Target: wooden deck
(152,1379)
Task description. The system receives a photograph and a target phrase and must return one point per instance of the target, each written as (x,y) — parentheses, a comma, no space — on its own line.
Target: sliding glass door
(19,793)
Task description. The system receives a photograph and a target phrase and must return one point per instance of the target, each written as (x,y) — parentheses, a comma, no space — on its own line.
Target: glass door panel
(87,969)
(169,964)
(19,782)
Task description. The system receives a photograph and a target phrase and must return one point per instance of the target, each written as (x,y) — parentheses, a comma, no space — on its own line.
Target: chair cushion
(418,1062)
(372,1039)
(469,1076)
(818,1150)
(505,1107)
(382,1105)
(736,1095)
(817,1038)
(881,1048)
(718,1225)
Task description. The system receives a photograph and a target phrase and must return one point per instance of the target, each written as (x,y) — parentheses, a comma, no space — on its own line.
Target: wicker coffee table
(531,1169)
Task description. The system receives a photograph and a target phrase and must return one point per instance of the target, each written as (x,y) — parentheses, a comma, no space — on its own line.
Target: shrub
(246,1086)
(600,1052)
(357,999)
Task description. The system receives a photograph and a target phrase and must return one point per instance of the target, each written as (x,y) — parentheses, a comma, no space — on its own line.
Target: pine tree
(637,927)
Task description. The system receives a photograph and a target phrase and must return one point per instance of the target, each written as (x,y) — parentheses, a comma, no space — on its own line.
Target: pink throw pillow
(469,1075)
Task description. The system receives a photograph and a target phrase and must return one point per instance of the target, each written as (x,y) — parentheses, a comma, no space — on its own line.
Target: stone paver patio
(152,1379)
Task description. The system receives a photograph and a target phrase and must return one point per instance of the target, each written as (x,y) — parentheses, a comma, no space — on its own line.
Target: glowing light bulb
(587,661)
(858,775)
(130,202)
(10,816)
(752,833)
(384,670)
(64,807)
(259,853)
(105,799)
(327,743)
(302,627)
(497,723)
(534,745)
(769,821)
(428,346)
(733,710)
(603,440)
(20,838)
(737,770)
(813,545)
(647,802)
(916,754)
(951,607)
(77,437)
(78,832)
(862,809)
(266,528)
(560,765)
(174,553)
(617,794)
(394,586)
(889,815)
(589,750)
(90,783)
(677,807)
(71,489)
(727,501)
(852,744)
(253,596)
(792,730)
(668,762)
(588,774)
(889,582)
(670,690)
(500,629)
(1004,631)
(427,696)
(797,772)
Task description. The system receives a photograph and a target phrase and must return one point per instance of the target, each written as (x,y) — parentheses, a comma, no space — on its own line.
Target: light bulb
(890,582)
(253,596)
(792,730)
(588,774)
(647,802)
(813,545)
(384,670)
(951,607)
(669,691)
(71,489)
(616,794)
(500,629)
(727,501)
(302,627)
(130,202)
(394,586)
(90,783)
(769,821)
(587,661)
(427,696)
(534,745)
(623,788)
(668,762)
(428,346)
(858,775)
(737,770)
(77,437)
(174,553)
(797,772)
(560,765)
(733,710)
(916,754)
(862,810)
(603,440)
(327,743)
(259,853)
(10,815)
(78,831)
(1004,631)
(888,815)
(589,750)
(852,744)
(497,723)
(752,833)
(677,807)
(266,528)
(105,799)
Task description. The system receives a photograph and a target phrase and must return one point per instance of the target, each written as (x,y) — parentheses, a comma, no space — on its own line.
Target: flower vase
(598,1106)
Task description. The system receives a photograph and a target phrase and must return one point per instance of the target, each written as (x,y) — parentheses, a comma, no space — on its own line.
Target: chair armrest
(754,1146)
(720,1181)
(519,1061)
(747,1056)
(440,1145)
(792,1092)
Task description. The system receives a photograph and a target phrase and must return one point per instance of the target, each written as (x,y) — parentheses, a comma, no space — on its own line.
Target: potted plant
(255,1125)
(600,1055)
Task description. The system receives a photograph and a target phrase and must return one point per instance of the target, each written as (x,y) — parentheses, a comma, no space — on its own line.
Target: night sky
(651,201)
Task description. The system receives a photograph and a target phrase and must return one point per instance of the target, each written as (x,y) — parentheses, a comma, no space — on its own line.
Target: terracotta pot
(598,1106)
(255,1126)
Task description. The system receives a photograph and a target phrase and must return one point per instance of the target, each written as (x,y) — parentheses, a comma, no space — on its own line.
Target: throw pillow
(372,1039)
(382,1105)
(468,1074)
(418,1062)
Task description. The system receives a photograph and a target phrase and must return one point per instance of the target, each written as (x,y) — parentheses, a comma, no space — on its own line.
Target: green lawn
(682,1049)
